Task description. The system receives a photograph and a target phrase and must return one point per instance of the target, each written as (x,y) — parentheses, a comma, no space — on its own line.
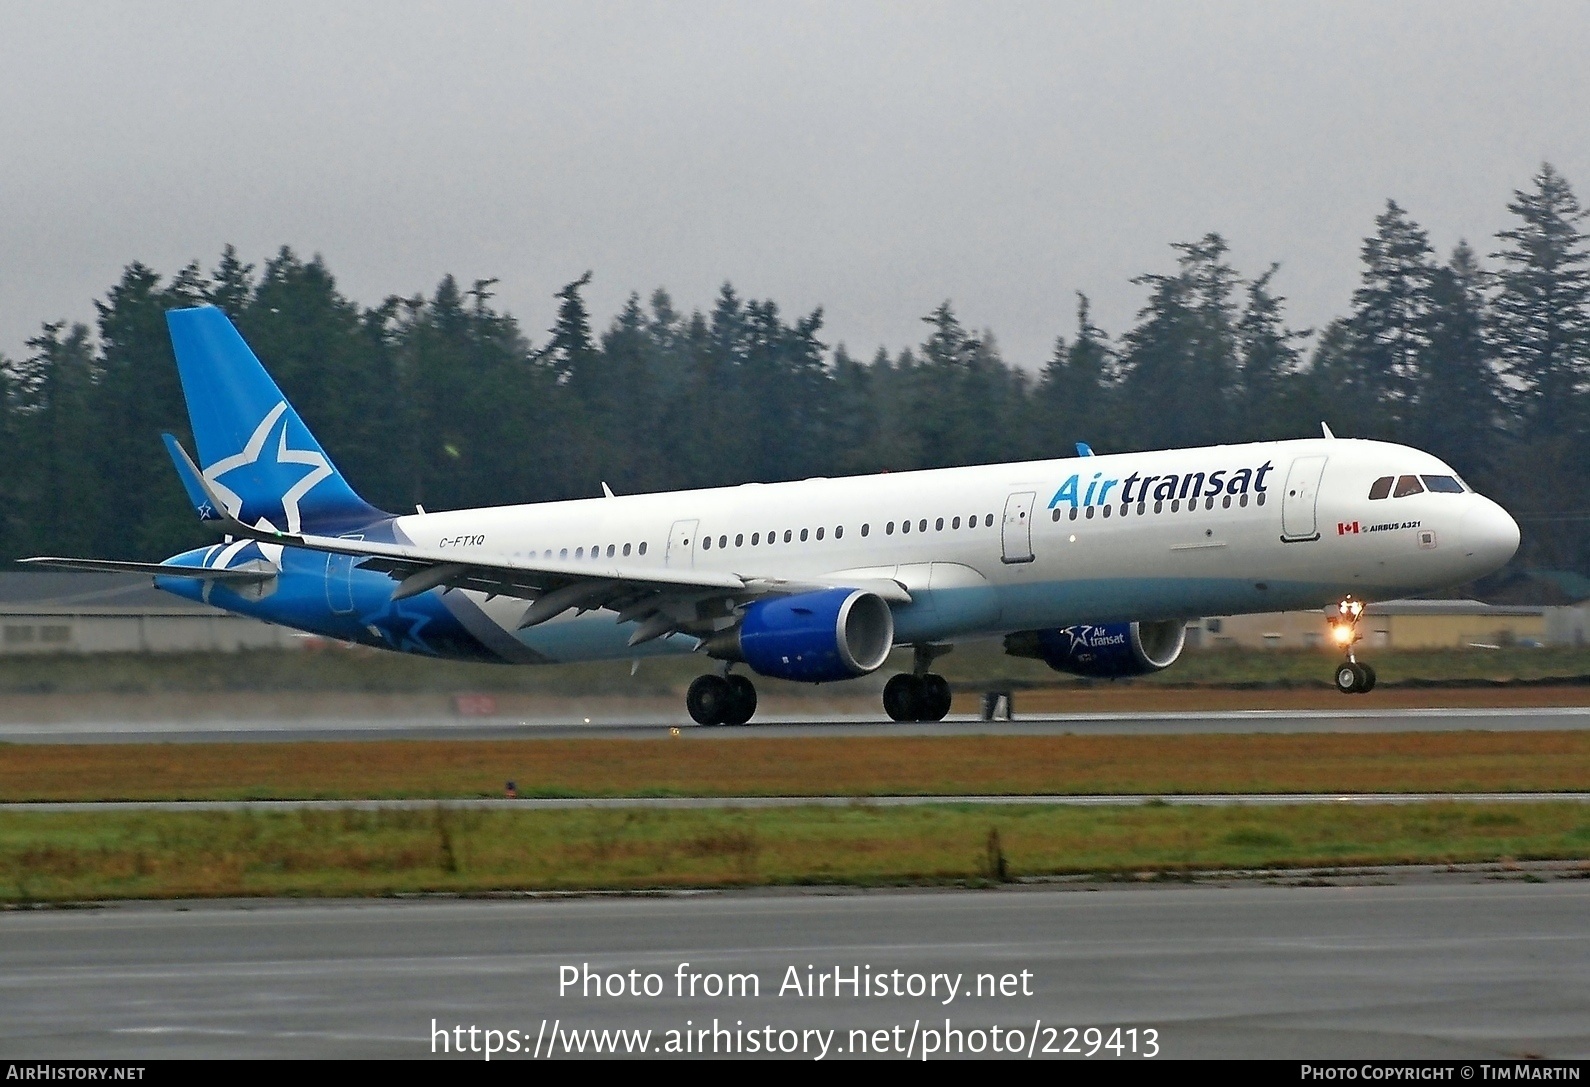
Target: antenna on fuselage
(1084,449)
(1326,427)
(606,490)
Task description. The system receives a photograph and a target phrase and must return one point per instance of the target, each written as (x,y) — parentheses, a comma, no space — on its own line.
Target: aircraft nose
(1489,534)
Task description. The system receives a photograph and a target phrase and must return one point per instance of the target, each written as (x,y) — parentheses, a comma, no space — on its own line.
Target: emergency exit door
(1016,536)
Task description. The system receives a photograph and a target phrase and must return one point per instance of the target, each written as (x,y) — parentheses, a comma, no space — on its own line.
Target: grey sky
(871,158)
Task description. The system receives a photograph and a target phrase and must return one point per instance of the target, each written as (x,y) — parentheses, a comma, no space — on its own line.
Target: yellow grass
(850,766)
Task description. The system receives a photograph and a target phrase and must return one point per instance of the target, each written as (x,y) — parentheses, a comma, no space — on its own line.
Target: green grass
(81,856)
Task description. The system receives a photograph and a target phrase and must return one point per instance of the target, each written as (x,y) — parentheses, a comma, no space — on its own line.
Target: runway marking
(546,804)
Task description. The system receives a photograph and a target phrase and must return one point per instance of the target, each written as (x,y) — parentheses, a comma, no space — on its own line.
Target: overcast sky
(873,159)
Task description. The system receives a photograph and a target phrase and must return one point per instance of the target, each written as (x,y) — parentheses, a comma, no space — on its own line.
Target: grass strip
(805,766)
(73,856)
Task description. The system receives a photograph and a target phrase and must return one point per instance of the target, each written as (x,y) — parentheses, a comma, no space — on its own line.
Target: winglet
(1084,449)
(1326,427)
(192,480)
(209,504)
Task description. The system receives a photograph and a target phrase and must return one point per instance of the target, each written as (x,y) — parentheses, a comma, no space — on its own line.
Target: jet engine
(1108,651)
(816,637)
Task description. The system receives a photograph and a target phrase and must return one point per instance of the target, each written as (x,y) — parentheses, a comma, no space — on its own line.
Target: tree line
(444,400)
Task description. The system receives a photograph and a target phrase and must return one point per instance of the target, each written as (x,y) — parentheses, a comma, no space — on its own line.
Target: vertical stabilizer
(253,448)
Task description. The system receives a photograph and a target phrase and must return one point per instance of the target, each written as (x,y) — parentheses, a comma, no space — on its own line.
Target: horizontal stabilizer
(164,569)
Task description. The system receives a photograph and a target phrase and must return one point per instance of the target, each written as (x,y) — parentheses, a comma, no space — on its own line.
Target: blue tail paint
(258,455)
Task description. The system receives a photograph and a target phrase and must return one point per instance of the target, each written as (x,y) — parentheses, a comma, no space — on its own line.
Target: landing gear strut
(1352,676)
(721,700)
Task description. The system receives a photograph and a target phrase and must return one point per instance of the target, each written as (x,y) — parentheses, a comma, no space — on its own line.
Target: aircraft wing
(660,601)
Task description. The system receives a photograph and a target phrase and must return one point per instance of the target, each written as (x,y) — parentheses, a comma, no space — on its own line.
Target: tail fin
(254,450)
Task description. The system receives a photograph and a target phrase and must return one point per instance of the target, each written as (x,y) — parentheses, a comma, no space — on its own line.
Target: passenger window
(610,550)
(905,526)
(803,535)
(888,529)
(989,521)
(739,539)
(1090,513)
(866,528)
(1443,484)
(938,526)
(643,547)
(756,538)
(626,551)
(1055,512)
(723,541)
(923,526)
(579,552)
(706,543)
(819,532)
(787,535)
(1407,485)
(957,522)
(1380,488)
(839,532)
(1073,514)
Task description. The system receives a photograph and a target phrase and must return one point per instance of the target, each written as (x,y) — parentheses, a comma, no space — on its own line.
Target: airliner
(1092,564)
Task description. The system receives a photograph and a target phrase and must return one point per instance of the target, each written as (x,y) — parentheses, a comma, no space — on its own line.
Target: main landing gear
(920,695)
(1352,677)
(721,700)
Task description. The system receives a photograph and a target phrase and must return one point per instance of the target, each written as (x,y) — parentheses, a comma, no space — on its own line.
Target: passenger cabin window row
(1141,508)
(612,551)
(1406,485)
(789,535)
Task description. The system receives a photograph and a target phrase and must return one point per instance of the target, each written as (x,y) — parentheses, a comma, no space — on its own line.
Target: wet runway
(651,727)
(1470,965)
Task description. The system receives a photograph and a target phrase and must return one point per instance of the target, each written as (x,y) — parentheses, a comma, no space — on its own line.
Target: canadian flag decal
(1344,527)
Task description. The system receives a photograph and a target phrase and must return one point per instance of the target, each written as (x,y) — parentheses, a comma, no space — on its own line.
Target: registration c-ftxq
(1092,563)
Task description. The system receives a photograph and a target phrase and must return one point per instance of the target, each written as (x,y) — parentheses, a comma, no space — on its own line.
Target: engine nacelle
(815,637)
(1109,651)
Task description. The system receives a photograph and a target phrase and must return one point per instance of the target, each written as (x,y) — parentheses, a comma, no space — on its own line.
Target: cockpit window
(1443,484)
(1381,488)
(1407,485)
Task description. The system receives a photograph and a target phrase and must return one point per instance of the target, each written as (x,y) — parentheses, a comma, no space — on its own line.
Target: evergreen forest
(1480,355)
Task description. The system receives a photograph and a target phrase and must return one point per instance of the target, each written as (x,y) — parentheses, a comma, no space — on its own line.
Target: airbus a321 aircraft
(1091,564)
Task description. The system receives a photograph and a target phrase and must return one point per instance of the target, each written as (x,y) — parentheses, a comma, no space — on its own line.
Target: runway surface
(1439,966)
(506,728)
(1202,800)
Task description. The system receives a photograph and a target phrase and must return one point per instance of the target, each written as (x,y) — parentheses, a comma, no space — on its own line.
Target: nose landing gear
(1352,677)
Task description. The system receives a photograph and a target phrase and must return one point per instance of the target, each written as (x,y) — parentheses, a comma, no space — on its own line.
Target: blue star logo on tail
(277,475)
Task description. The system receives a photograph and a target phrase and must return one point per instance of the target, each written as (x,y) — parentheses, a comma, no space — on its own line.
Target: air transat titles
(1161,488)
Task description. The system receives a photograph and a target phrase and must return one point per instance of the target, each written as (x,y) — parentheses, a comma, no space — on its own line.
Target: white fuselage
(996,548)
